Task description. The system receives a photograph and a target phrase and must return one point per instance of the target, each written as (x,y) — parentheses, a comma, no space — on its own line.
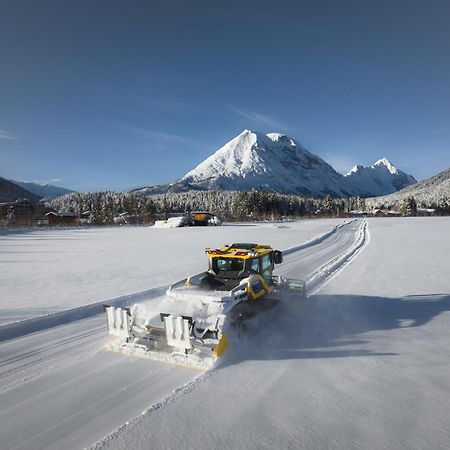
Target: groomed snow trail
(362,365)
(59,390)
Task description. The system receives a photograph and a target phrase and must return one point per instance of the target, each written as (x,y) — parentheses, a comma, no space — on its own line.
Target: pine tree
(11,217)
(409,207)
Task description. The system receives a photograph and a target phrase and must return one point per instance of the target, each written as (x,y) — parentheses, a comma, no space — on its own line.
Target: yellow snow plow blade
(221,346)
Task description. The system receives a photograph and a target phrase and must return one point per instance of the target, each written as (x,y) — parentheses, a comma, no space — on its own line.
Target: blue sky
(117,94)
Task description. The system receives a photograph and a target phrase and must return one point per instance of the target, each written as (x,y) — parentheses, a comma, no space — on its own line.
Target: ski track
(49,372)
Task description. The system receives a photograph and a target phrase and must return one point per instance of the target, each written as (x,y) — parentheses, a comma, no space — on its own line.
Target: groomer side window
(266,267)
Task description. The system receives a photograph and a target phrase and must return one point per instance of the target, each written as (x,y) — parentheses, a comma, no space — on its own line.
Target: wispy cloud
(161,137)
(51,181)
(259,118)
(7,136)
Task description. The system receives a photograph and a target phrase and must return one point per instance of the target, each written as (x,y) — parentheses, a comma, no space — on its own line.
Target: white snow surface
(45,271)
(362,365)
(58,389)
(172,222)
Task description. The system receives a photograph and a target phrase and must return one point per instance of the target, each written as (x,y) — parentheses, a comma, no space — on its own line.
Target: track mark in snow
(323,274)
(41,323)
(317,239)
(33,360)
(337,240)
(177,393)
(61,378)
(36,324)
(97,395)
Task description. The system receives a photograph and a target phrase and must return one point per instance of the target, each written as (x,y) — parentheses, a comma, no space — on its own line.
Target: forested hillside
(102,207)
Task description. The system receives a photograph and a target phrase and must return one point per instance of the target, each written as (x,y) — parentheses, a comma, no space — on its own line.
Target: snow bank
(23,327)
(172,222)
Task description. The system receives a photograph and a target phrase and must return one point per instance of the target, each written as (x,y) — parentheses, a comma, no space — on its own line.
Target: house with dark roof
(63,218)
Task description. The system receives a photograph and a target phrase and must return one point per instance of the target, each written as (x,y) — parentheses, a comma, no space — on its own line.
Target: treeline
(255,205)
(104,207)
(409,206)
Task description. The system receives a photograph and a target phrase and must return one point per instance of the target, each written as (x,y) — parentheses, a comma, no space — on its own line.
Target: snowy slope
(379,179)
(278,163)
(427,192)
(45,190)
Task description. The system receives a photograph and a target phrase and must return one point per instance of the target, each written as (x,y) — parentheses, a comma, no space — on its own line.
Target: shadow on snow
(330,326)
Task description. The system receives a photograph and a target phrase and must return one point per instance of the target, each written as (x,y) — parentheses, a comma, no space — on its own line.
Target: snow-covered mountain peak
(384,162)
(355,169)
(275,162)
(276,136)
(272,162)
(282,138)
(380,177)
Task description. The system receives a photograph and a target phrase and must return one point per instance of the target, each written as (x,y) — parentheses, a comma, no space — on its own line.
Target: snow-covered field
(364,363)
(50,270)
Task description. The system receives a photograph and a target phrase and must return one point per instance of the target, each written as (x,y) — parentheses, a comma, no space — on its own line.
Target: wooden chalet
(62,218)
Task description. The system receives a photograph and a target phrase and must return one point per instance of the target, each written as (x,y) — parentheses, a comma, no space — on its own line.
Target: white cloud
(7,136)
(51,181)
(259,118)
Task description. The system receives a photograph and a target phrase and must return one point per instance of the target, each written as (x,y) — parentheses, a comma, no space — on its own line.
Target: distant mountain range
(379,179)
(278,163)
(270,162)
(434,190)
(45,190)
(11,190)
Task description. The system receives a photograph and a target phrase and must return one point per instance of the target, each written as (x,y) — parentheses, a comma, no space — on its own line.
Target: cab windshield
(228,265)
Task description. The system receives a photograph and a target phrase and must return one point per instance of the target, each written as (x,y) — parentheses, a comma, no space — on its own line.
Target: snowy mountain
(47,191)
(379,179)
(272,163)
(278,163)
(10,192)
(431,191)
